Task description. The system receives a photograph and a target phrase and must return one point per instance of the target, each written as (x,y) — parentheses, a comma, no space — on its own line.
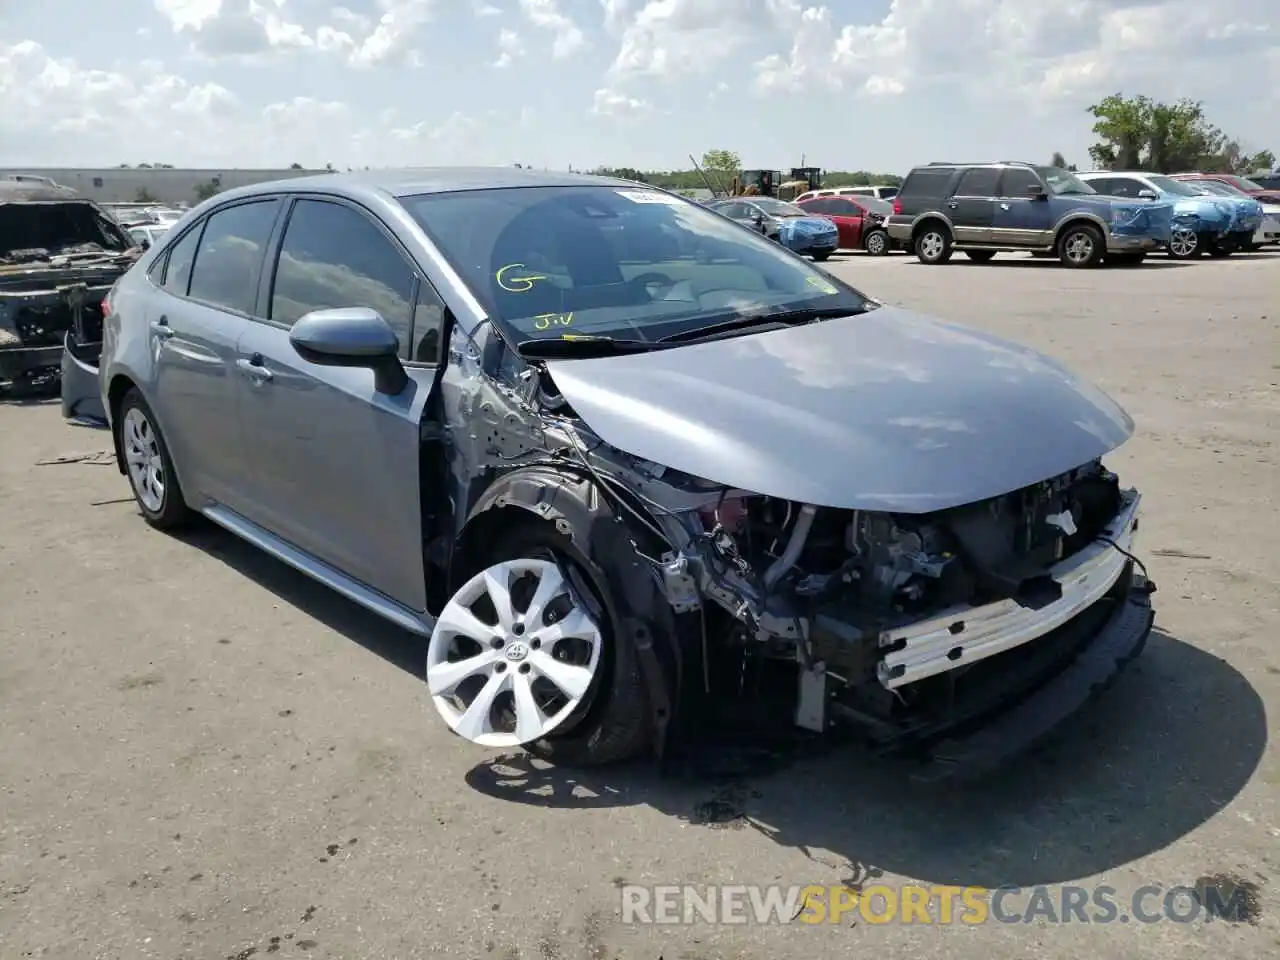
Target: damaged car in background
(610,453)
(59,255)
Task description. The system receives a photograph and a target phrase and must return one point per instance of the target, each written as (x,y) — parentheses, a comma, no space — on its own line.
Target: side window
(927,182)
(229,262)
(847,208)
(334,256)
(978,182)
(177,271)
(1123,187)
(1103,185)
(1019,182)
(428,324)
(821,205)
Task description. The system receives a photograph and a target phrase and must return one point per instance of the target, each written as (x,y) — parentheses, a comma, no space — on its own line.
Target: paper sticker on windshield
(650,196)
(821,284)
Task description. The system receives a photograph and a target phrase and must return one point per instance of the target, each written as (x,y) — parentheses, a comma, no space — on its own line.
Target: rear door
(848,218)
(1021,221)
(972,204)
(335,462)
(208,291)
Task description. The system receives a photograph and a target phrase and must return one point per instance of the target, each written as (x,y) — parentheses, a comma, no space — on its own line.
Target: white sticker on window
(650,196)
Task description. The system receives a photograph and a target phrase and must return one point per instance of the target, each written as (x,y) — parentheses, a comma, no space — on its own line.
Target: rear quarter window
(927,182)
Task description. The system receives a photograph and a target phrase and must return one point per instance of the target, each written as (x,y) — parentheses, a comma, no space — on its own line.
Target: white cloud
(546,15)
(269,81)
(510,48)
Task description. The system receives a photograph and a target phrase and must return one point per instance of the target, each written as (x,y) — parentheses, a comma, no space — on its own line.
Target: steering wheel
(648,279)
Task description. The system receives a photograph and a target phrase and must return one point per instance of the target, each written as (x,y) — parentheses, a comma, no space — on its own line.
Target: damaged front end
(990,621)
(59,259)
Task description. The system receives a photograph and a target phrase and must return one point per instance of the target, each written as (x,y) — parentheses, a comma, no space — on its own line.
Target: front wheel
(149,466)
(1185,245)
(1081,247)
(1217,247)
(820,257)
(526,654)
(933,245)
(876,243)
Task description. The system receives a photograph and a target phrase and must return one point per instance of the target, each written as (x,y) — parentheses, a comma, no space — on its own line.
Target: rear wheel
(820,257)
(1081,246)
(876,243)
(526,654)
(980,256)
(933,244)
(149,466)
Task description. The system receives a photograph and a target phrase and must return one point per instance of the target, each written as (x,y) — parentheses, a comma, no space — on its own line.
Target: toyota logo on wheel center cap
(517,650)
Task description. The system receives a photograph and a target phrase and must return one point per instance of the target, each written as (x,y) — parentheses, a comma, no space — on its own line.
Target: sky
(844,85)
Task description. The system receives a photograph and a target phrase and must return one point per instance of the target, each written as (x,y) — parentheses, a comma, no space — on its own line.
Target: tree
(622,173)
(206,190)
(1138,133)
(1058,160)
(724,162)
(145,196)
(295,166)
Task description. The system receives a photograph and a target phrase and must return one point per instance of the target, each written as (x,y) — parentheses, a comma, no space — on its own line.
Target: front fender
(606,541)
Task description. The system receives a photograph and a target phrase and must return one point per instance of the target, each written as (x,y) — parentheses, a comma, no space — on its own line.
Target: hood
(888,411)
(1212,208)
(807,224)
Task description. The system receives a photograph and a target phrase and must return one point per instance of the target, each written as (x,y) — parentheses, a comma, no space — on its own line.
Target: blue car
(982,209)
(792,226)
(1201,221)
(1249,214)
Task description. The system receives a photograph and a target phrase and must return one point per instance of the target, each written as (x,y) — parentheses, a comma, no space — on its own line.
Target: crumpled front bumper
(964,635)
(81,390)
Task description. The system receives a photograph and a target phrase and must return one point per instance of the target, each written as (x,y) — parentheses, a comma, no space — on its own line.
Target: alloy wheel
(1183,242)
(931,245)
(875,244)
(144,460)
(1079,247)
(512,655)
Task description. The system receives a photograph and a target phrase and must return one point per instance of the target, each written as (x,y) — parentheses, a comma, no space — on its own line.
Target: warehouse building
(150,184)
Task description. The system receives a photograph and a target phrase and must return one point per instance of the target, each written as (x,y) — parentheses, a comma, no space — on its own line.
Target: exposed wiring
(1138,563)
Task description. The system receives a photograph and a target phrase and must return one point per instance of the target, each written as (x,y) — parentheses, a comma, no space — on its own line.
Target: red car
(860,221)
(1243,184)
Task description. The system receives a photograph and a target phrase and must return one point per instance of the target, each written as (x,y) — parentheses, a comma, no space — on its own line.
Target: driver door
(335,462)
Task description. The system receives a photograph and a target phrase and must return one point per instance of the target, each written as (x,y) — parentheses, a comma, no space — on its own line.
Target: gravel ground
(204,755)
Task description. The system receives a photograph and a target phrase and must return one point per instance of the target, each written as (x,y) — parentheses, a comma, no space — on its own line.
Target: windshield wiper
(746,321)
(582,345)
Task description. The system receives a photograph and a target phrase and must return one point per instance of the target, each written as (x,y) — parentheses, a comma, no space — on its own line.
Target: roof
(27,191)
(409,182)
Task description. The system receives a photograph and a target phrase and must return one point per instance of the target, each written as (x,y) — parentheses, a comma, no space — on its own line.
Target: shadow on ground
(1056,264)
(1158,755)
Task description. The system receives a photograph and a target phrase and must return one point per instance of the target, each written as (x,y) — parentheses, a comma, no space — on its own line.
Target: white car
(145,235)
(879,192)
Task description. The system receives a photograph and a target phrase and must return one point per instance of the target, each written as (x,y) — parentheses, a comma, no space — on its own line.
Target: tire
(611,721)
(1253,247)
(1126,259)
(1081,247)
(980,256)
(139,435)
(933,244)
(1185,245)
(877,243)
(820,257)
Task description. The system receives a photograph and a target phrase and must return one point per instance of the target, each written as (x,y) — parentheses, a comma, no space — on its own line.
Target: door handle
(161,328)
(952,204)
(255,369)
(1004,206)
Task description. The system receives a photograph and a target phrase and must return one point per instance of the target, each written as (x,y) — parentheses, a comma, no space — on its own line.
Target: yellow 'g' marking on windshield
(520,284)
(821,284)
(545,321)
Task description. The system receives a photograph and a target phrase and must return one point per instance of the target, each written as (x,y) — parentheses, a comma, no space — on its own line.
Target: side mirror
(352,337)
(1145,194)
(1037,193)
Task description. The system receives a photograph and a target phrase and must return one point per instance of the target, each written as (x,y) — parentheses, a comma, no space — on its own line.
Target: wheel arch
(1076,220)
(573,502)
(120,385)
(925,219)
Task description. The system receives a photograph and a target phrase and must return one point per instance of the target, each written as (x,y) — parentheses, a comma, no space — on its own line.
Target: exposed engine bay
(882,613)
(58,259)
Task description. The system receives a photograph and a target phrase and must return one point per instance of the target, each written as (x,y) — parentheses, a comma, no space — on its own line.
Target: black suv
(985,208)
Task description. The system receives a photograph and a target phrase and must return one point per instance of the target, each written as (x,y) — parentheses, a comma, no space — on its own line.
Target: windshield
(1169,185)
(618,262)
(779,208)
(1217,188)
(1244,183)
(1063,182)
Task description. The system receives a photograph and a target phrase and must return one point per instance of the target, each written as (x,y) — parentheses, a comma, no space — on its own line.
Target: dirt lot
(204,755)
